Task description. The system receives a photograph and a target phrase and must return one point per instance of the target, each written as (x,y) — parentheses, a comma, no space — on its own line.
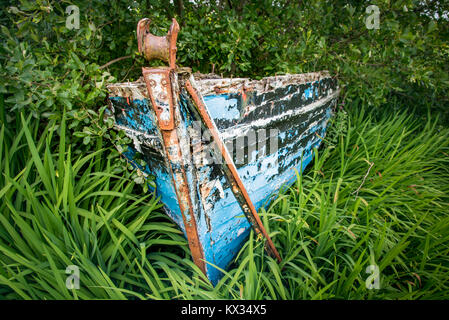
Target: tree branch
(114,61)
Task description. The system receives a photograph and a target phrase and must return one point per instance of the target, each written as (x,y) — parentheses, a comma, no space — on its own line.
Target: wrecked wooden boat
(219,148)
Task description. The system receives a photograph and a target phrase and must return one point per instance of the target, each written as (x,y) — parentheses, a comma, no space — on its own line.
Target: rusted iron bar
(230,171)
(163,95)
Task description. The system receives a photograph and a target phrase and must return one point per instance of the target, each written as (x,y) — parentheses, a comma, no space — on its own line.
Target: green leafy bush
(46,66)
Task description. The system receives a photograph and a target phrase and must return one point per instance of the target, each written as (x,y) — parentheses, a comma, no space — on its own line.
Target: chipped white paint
(136,144)
(235,85)
(149,140)
(137,90)
(217,184)
(242,130)
(241,230)
(160,93)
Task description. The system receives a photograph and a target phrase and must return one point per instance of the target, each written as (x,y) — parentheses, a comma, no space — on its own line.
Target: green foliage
(58,211)
(407,56)
(45,66)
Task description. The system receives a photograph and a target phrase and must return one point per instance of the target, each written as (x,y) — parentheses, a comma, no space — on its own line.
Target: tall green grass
(57,211)
(376,194)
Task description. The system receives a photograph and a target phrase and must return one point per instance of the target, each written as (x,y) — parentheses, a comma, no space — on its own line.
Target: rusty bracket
(158,79)
(154,47)
(161,83)
(159,86)
(161,95)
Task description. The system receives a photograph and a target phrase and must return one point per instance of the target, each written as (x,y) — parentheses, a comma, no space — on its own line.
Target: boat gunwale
(207,85)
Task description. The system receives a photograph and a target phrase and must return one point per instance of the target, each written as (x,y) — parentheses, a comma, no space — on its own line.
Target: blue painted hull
(296,109)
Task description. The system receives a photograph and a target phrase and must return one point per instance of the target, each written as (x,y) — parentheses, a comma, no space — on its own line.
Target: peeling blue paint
(222,107)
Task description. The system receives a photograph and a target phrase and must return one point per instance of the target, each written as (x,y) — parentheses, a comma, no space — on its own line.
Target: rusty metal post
(154,47)
(163,96)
